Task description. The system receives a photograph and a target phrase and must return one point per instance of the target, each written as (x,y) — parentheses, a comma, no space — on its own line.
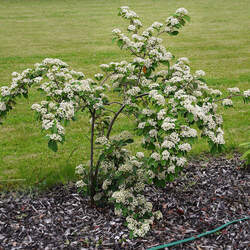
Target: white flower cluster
(160,100)
(246,93)
(2,106)
(102,140)
(233,90)
(65,89)
(227,102)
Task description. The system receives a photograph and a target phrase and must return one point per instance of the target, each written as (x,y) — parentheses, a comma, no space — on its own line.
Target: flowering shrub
(171,107)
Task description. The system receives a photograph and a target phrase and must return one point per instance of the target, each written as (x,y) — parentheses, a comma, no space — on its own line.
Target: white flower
(137,37)
(139,155)
(183,60)
(171,169)
(116,31)
(160,100)
(98,76)
(15,74)
(246,93)
(105,184)
(215,92)
(137,22)
(44,103)
(181,11)
(141,125)
(5,91)
(134,91)
(55,137)
(165,155)
(153,133)
(181,161)
(131,28)
(233,90)
(156,156)
(185,147)
(145,33)
(104,66)
(161,175)
(79,169)
(102,140)
(161,114)
(97,196)
(118,212)
(167,144)
(188,132)
(219,139)
(172,20)
(2,106)
(174,137)
(47,124)
(227,102)
(147,112)
(157,25)
(167,126)
(199,73)
(197,93)
(119,196)
(80,184)
(66,110)
(158,215)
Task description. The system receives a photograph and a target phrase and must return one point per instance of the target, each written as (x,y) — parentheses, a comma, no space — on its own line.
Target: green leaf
(213,149)
(129,141)
(174,33)
(165,63)
(54,129)
(188,18)
(53,145)
(190,117)
(25,95)
(131,235)
(120,43)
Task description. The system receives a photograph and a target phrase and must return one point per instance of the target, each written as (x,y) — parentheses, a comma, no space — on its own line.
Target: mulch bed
(208,194)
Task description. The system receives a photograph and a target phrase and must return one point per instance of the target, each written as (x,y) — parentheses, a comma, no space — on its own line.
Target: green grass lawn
(79,33)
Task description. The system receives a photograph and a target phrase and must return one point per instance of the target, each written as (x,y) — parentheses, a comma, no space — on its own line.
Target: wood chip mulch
(209,194)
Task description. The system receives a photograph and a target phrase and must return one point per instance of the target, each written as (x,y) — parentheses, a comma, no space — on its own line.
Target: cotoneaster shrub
(169,104)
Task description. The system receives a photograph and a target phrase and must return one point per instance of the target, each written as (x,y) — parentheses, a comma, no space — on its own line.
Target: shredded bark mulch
(209,194)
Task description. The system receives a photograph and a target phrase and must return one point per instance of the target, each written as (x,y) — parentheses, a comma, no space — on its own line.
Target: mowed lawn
(79,33)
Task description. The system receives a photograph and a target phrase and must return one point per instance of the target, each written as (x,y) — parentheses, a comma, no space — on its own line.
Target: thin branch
(113,120)
(109,103)
(228,97)
(134,53)
(92,156)
(141,95)
(106,78)
(159,33)
(139,76)
(117,114)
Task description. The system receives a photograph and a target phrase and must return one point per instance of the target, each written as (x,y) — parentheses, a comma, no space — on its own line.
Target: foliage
(170,108)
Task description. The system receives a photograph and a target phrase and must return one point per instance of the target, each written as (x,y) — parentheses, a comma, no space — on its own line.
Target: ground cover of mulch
(208,194)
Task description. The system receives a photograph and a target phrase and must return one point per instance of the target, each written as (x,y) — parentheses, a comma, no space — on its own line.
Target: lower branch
(91,179)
